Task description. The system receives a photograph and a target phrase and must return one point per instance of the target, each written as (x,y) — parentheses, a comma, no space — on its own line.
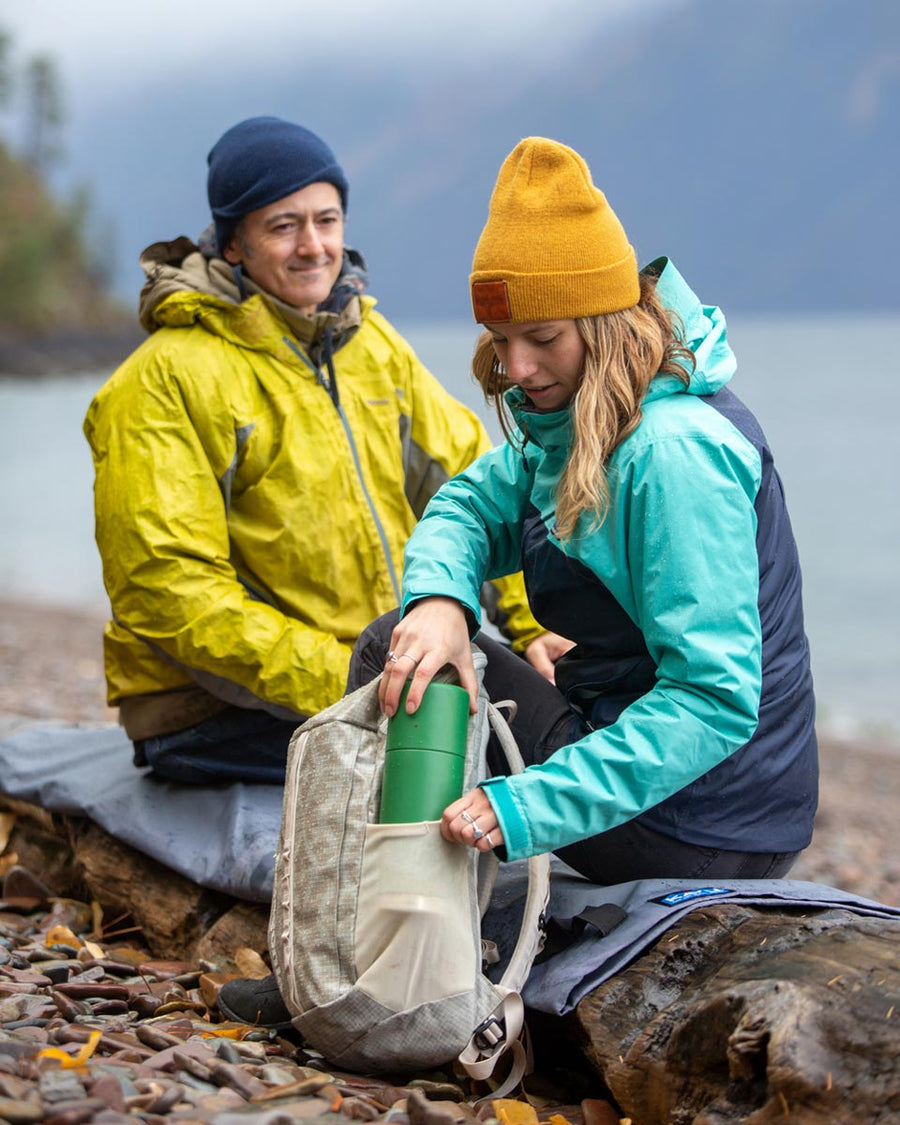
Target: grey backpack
(375,931)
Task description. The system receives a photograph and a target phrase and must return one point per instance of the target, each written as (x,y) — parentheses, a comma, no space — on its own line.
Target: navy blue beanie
(261,160)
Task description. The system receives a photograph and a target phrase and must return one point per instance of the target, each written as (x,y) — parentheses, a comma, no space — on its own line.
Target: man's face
(293,248)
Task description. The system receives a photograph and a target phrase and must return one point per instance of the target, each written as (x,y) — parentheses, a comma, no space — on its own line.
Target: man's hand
(544,651)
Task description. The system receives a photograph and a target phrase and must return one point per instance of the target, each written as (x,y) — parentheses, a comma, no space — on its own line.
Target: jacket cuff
(523,640)
(516,838)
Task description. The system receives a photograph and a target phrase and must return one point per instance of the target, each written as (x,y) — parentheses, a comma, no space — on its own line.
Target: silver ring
(468,819)
(487,837)
(476,832)
(408,656)
(392,657)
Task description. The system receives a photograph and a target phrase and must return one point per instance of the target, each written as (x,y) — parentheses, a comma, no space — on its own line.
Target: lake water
(826,390)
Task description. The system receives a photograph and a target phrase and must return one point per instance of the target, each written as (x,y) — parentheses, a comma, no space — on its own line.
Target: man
(260,463)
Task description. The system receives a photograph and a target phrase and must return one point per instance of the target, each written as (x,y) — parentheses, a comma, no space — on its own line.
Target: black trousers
(543,723)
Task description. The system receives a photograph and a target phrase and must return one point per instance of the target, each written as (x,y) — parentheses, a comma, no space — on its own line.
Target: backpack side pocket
(414,938)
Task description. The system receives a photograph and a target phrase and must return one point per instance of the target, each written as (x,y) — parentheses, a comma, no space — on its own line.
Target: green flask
(425,755)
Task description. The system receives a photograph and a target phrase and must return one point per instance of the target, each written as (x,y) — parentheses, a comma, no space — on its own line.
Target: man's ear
(232,253)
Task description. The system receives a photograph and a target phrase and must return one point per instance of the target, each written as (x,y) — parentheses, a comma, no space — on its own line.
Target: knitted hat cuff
(273,184)
(557,296)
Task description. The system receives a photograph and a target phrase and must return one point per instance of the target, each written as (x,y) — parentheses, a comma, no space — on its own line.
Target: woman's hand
(544,651)
(471,821)
(432,634)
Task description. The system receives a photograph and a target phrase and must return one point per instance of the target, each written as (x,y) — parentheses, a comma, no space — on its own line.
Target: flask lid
(440,723)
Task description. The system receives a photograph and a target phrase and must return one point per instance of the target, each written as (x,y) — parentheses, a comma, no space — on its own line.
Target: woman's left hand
(471,821)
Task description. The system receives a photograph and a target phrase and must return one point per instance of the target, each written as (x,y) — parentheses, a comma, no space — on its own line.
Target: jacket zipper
(330,385)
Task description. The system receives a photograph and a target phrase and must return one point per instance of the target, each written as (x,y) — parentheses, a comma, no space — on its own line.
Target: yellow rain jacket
(253,504)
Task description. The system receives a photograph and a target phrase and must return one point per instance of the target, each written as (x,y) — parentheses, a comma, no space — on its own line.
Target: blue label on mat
(675,898)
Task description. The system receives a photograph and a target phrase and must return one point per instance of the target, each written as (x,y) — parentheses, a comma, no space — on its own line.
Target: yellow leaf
(7,824)
(61,935)
(8,861)
(56,1053)
(239,1032)
(510,1111)
(70,1062)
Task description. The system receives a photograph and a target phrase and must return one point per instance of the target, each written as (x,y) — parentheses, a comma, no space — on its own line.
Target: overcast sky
(101,44)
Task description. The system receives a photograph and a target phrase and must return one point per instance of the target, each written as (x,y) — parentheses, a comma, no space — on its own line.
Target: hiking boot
(254,1002)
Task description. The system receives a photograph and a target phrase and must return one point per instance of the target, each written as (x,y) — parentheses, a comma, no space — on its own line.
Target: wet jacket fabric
(258,473)
(691,663)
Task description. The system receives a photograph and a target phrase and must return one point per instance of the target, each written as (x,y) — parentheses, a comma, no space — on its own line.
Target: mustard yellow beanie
(552,247)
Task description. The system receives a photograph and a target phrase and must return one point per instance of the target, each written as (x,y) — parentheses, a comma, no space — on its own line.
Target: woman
(638,495)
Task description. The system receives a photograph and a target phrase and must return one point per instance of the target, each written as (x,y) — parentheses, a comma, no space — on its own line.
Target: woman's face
(545,358)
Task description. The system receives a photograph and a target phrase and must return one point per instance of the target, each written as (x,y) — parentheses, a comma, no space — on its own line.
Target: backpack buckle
(489,1033)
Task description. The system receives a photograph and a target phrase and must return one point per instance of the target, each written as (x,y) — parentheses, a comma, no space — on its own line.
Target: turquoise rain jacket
(691,662)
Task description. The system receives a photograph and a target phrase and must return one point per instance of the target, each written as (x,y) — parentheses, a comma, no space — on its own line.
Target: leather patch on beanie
(490,302)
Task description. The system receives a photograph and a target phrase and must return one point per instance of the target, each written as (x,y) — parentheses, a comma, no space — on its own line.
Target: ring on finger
(476,832)
(392,657)
(491,843)
(409,656)
(467,818)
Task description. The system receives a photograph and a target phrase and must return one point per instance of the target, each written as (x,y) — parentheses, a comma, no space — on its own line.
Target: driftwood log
(754,1015)
(737,1014)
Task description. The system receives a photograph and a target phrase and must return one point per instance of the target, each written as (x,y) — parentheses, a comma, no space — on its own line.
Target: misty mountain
(755,144)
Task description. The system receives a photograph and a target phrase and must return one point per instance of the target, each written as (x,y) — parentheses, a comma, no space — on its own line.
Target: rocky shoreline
(68,351)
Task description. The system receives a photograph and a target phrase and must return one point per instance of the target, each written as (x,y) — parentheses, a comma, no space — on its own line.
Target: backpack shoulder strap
(501,1031)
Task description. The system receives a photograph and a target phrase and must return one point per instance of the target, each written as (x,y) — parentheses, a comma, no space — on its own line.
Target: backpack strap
(499,1033)
(502,1029)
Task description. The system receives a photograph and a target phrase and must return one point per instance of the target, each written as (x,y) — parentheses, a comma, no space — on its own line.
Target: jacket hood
(702,329)
(180,267)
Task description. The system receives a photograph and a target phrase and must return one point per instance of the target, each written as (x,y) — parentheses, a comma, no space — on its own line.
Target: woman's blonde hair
(623,352)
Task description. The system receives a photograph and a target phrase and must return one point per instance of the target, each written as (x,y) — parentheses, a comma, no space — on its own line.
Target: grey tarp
(224,837)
